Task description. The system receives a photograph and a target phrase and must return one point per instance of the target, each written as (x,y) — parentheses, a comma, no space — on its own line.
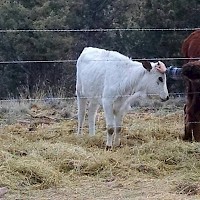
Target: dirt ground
(91,189)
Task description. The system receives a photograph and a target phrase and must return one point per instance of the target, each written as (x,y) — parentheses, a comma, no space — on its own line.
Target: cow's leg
(121,106)
(196,131)
(81,112)
(196,127)
(118,127)
(188,126)
(92,111)
(109,116)
(188,131)
(119,110)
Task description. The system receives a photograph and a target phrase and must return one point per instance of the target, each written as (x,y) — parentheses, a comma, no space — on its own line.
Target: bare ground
(131,188)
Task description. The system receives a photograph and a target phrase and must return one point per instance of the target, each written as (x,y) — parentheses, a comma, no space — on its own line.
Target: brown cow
(191,45)
(192,107)
(191,71)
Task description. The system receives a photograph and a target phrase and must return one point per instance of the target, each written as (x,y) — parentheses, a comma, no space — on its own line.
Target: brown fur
(191,45)
(191,71)
(146,64)
(110,131)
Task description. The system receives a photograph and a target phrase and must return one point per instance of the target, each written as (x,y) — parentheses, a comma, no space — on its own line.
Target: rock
(3,191)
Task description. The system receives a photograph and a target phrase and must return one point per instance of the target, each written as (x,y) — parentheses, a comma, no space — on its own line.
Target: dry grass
(51,162)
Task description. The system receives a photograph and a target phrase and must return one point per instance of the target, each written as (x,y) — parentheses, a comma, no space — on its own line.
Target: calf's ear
(147,65)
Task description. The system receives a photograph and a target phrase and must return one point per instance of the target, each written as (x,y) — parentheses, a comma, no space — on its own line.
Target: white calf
(112,80)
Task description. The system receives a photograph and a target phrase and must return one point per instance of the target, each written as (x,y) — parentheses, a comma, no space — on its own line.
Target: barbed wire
(36,61)
(74,61)
(36,99)
(97,30)
(93,30)
(74,97)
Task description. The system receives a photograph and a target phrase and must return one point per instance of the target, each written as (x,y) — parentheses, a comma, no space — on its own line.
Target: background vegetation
(54,79)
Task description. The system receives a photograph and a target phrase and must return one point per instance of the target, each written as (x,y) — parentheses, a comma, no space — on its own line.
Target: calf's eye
(160,79)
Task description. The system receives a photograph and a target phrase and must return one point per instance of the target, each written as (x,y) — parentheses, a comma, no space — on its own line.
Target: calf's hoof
(108,148)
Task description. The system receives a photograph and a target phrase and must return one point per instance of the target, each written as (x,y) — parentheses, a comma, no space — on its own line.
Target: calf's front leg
(109,116)
(118,127)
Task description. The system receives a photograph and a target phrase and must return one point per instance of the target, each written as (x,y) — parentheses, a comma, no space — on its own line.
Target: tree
(50,78)
(34,45)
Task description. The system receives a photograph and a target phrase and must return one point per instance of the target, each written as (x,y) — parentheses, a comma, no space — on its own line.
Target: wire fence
(75,60)
(97,30)
(19,111)
(19,100)
(93,30)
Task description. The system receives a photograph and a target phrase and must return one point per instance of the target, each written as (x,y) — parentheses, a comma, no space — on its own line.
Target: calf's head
(155,78)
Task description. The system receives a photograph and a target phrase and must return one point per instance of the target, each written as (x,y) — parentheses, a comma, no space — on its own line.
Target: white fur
(114,81)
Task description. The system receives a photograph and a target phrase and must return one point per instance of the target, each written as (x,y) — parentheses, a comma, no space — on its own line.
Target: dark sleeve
(174,72)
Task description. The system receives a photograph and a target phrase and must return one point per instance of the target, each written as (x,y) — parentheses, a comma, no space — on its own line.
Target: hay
(53,156)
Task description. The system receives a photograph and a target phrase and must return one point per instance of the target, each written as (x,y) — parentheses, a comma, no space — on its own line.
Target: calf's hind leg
(81,112)
(92,111)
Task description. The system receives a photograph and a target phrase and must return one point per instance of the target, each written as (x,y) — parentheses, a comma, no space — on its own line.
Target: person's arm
(174,72)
